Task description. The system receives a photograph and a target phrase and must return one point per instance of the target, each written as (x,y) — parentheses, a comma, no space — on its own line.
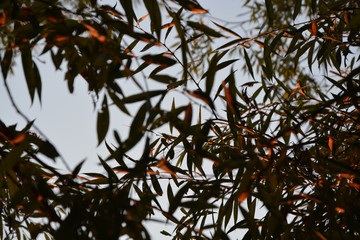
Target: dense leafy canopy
(273,153)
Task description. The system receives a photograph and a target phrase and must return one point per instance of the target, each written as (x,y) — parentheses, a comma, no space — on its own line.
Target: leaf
(297,8)
(111,173)
(137,128)
(119,103)
(229,99)
(227,30)
(155,15)
(310,56)
(243,196)
(57,58)
(168,25)
(129,11)
(191,5)
(37,80)
(188,114)
(205,29)
(210,74)
(225,64)
(103,121)
(171,125)
(26,58)
(13,157)
(163,78)
(163,232)
(331,143)
(270,11)
(6,61)
(142,96)
(77,169)
(248,63)
(142,19)
(159,59)
(46,148)
(156,185)
(233,42)
(176,201)
(313,28)
(147,47)
(170,193)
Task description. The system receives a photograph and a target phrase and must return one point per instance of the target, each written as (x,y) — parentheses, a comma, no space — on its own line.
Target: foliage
(275,154)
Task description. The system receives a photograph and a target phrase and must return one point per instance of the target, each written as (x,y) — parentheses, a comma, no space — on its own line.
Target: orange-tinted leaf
(162,164)
(188,114)
(331,143)
(346,175)
(93,32)
(313,28)
(59,38)
(346,16)
(3,19)
(299,89)
(142,18)
(229,98)
(243,196)
(199,10)
(18,139)
(322,237)
(340,210)
(167,25)
(259,43)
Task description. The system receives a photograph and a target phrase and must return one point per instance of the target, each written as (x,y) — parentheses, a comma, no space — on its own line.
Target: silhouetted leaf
(155,15)
(103,120)
(205,29)
(6,62)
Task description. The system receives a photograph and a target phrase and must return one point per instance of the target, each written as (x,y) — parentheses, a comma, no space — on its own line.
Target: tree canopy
(268,149)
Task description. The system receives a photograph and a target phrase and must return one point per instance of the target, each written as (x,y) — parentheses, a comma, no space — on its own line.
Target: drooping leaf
(103,120)
(129,11)
(155,15)
(270,11)
(297,8)
(28,67)
(6,62)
